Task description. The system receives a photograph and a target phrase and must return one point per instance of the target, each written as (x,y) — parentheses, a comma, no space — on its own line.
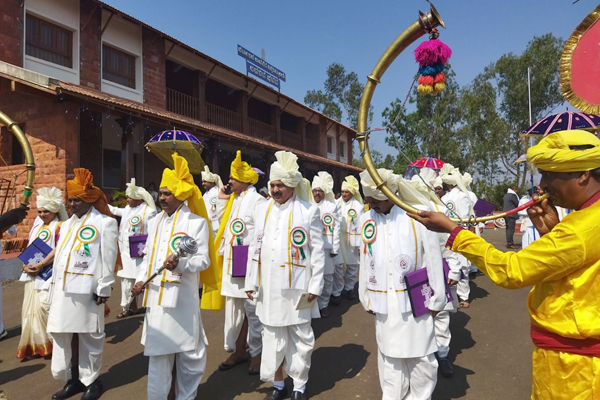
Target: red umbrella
(428,162)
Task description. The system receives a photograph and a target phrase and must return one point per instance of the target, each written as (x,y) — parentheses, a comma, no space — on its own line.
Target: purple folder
(483,208)
(35,253)
(136,245)
(239,261)
(419,291)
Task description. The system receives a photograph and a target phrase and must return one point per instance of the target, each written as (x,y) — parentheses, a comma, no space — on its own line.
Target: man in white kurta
(135,216)
(346,263)
(82,276)
(322,191)
(173,334)
(212,184)
(458,205)
(242,326)
(285,267)
(395,246)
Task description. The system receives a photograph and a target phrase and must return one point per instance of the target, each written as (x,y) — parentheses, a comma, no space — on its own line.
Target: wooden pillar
(322,136)
(338,134)
(302,131)
(276,122)
(127,157)
(350,150)
(242,109)
(202,95)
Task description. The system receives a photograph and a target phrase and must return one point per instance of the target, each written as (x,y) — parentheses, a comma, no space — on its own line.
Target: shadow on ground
(322,325)
(229,384)
(125,372)
(20,372)
(121,329)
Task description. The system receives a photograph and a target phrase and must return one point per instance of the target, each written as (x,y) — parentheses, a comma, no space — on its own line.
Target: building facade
(90,85)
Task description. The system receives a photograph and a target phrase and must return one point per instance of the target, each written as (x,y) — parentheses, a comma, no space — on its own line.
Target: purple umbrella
(563,122)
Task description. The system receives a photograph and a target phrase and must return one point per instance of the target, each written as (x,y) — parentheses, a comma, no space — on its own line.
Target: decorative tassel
(432,56)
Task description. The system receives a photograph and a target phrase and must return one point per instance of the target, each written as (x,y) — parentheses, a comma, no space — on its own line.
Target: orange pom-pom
(426,80)
(439,78)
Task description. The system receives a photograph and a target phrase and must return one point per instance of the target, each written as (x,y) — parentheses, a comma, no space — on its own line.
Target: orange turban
(83,187)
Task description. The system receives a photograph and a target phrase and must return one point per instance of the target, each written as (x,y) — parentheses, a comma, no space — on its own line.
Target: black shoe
(94,391)
(298,395)
(335,300)
(445,367)
(276,394)
(325,312)
(72,387)
(351,295)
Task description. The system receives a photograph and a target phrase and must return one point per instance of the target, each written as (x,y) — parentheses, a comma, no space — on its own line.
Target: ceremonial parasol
(164,144)
(428,162)
(521,159)
(258,171)
(562,122)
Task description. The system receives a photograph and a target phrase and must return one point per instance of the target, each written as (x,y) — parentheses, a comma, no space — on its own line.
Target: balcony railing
(183,104)
(262,130)
(291,139)
(223,117)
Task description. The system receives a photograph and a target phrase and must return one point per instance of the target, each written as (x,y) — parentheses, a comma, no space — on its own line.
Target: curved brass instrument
(423,25)
(29,161)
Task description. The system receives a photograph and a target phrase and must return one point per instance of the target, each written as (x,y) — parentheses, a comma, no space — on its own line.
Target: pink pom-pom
(432,52)
(439,78)
(426,80)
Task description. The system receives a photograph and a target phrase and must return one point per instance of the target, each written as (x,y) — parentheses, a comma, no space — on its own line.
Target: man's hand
(543,215)
(333,255)
(171,263)
(222,195)
(32,269)
(452,282)
(370,312)
(12,217)
(101,300)
(138,288)
(311,297)
(434,221)
(433,313)
(250,294)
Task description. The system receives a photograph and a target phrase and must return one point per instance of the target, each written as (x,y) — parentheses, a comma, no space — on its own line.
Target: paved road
(490,348)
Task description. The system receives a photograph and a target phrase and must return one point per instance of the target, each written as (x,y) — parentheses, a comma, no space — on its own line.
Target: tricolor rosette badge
(237,229)
(134,221)
(451,207)
(328,221)
(174,241)
(44,234)
(368,234)
(352,215)
(299,239)
(86,235)
(213,203)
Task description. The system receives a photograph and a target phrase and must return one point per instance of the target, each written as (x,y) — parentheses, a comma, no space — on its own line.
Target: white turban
(427,174)
(408,191)
(324,181)
(139,193)
(210,177)
(452,176)
(286,169)
(438,183)
(369,187)
(428,188)
(51,199)
(351,184)
(467,179)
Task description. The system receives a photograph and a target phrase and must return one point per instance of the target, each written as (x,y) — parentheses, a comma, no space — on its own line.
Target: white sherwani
(78,313)
(406,344)
(210,202)
(331,245)
(130,265)
(350,247)
(237,304)
(174,330)
(287,336)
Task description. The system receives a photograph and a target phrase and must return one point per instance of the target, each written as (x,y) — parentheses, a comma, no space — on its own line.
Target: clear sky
(303,37)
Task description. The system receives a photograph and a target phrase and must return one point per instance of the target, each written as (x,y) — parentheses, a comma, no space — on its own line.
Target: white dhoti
(126,296)
(190,368)
(323,299)
(407,378)
(236,309)
(441,323)
(90,356)
(291,346)
(462,287)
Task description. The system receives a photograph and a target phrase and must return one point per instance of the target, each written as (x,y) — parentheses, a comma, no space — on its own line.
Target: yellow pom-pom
(425,89)
(440,86)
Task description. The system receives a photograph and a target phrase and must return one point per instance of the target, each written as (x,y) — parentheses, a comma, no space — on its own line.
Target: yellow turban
(553,153)
(351,184)
(181,184)
(242,171)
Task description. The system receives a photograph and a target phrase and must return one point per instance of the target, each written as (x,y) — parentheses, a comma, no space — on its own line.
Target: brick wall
(53,136)
(90,45)
(153,48)
(11,32)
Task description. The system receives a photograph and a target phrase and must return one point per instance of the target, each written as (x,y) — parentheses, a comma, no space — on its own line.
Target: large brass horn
(29,161)
(425,23)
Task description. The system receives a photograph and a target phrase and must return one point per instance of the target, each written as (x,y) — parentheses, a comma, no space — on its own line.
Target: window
(329,144)
(49,42)
(118,67)
(342,151)
(11,152)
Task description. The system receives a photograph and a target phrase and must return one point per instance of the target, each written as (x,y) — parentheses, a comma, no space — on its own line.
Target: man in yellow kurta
(563,266)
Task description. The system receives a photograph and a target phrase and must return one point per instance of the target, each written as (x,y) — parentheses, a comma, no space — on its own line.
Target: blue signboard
(262,74)
(256,60)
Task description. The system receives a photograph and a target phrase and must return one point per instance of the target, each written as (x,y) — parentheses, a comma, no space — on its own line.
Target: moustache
(276,194)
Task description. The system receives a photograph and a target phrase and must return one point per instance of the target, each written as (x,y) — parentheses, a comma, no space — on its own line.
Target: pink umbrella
(428,162)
